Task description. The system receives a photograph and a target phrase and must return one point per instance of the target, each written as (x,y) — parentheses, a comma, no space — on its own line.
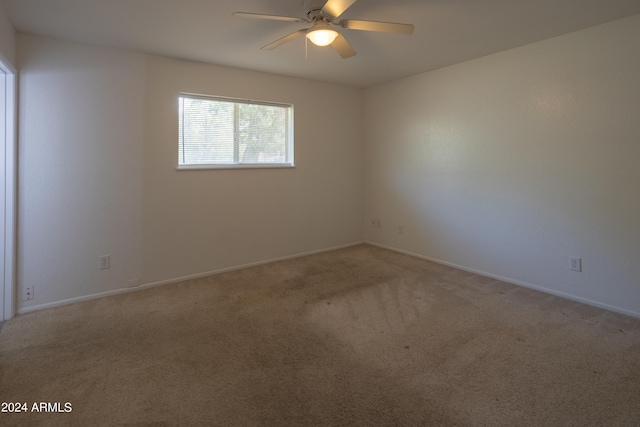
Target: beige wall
(511,163)
(7,38)
(98,156)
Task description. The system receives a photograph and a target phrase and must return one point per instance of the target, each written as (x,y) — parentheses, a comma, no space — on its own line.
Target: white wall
(511,163)
(7,38)
(7,166)
(97,161)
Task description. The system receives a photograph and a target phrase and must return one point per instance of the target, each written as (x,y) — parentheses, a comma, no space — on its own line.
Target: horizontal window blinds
(220,131)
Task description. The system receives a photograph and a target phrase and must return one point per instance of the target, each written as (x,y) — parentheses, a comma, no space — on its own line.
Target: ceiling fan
(322,15)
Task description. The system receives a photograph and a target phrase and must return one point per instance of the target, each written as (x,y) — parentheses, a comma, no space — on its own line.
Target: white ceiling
(446,31)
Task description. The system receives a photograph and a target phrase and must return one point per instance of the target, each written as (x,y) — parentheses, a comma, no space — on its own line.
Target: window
(224,132)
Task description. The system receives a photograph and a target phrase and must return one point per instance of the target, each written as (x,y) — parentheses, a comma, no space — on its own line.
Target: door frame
(8,142)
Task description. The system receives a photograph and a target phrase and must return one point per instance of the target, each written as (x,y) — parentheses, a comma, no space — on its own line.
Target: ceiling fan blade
(342,46)
(381,27)
(269,17)
(336,8)
(285,39)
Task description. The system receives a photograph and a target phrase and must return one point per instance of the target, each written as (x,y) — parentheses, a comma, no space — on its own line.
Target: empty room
(320,212)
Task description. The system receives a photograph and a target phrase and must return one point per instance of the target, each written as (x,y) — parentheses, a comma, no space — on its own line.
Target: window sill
(234,166)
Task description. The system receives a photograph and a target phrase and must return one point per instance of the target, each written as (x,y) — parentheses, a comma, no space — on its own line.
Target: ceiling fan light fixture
(322,36)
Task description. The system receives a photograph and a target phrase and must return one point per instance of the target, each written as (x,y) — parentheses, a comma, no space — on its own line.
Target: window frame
(289,135)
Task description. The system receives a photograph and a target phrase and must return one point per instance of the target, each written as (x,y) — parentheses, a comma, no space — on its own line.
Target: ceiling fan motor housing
(313,10)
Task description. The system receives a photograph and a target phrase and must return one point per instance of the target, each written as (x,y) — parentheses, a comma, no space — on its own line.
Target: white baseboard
(514,282)
(178,279)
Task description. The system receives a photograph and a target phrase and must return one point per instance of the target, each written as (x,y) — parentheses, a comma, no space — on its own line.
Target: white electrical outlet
(401,229)
(375,223)
(105,262)
(575,264)
(27,293)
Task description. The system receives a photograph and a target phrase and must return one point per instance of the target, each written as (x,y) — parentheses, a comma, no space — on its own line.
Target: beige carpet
(361,336)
